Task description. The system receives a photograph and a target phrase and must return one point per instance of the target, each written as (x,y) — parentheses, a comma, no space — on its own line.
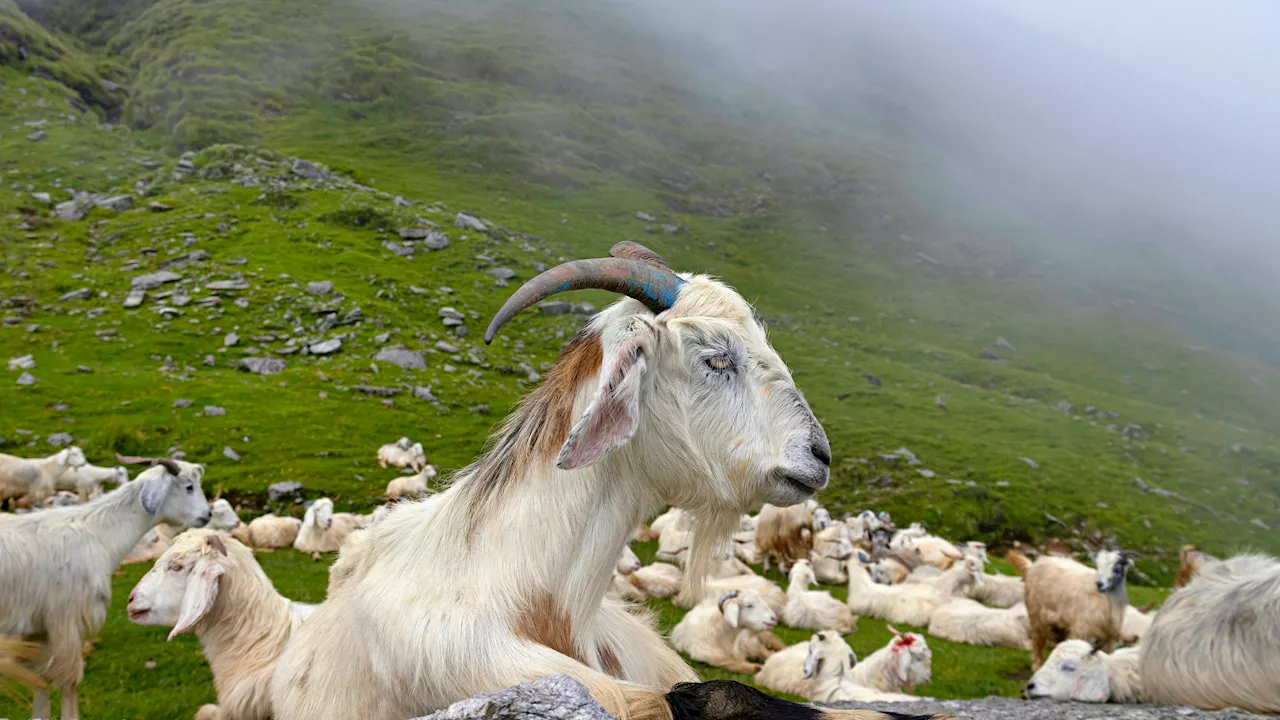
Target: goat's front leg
(40,707)
(70,702)
(772,641)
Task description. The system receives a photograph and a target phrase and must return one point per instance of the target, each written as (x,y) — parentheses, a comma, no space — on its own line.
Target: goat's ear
(154,492)
(731,611)
(614,412)
(812,662)
(202,591)
(901,653)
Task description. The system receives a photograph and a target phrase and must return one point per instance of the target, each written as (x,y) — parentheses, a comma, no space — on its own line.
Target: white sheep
(674,545)
(1136,624)
(56,566)
(904,664)
(832,668)
(672,518)
(323,530)
(910,603)
(660,580)
(1214,643)
(33,480)
(744,542)
(903,538)
(784,670)
(832,549)
(402,454)
(86,480)
(411,486)
(1066,600)
(212,586)
(622,587)
(728,632)
(1080,672)
(968,621)
(813,609)
(151,546)
(641,411)
(773,595)
(936,551)
(999,590)
(272,532)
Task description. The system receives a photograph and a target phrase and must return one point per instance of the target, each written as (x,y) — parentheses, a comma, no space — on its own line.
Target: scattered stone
(1002,343)
(401,202)
(927,259)
(134,298)
(59,439)
(872,380)
(1001,708)
(230,454)
(168,312)
(940,402)
(261,366)
(381,338)
(36,136)
(907,455)
(1260,523)
(209,360)
(413,233)
(150,281)
(436,240)
(377,391)
(553,697)
(1141,484)
(231,339)
(988,355)
(290,489)
(399,355)
(424,393)
(502,274)
(326,347)
(448,368)
(451,317)
(1133,431)
(445,347)
(84,369)
(158,207)
(556,307)
(42,197)
(69,210)
(117,203)
(227,285)
(1032,463)
(400,249)
(481,409)
(1054,519)
(81,294)
(214,411)
(181,403)
(670,228)
(25,362)
(193,256)
(306,169)
(26,379)
(642,215)
(469,222)
(926,473)
(241,303)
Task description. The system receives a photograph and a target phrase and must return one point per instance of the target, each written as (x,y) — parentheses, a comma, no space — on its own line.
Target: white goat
(904,664)
(1066,600)
(1079,671)
(622,587)
(86,480)
(968,621)
(813,609)
(773,595)
(728,632)
(411,486)
(272,532)
(1214,643)
(831,666)
(660,580)
(34,479)
(402,454)
(644,409)
(151,546)
(56,566)
(211,585)
(910,603)
(323,530)
(999,590)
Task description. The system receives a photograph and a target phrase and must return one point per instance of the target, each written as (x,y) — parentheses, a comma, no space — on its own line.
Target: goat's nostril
(822,452)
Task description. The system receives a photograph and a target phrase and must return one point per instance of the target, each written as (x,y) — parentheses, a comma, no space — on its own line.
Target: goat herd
(522,567)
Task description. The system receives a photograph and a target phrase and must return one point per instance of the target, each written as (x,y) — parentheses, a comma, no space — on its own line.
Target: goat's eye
(1067,667)
(190,489)
(175,567)
(719,363)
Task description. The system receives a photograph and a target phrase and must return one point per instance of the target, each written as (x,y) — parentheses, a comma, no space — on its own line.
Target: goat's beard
(713,528)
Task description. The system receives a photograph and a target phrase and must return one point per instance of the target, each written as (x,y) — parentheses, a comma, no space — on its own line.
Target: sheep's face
(182,585)
(628,562)
(1112,567)
(176,501)
(72,457)
(223,516)
(320,514)
(404,443)
(973,566)
(911,659)
(1073,672)
(746,609)
(802,574)
(119,475)
(717,409)
(829,656)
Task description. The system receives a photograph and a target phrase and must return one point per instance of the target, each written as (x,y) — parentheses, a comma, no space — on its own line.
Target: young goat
(673,397)
(323,530)
(33,480)
(56,566)
(813,609)
(1078,671)
(1066,600)
(729,632)
(209,584)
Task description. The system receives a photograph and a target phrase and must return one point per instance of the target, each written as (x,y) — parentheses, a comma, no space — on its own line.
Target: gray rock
(1133,431)
(381,338)
(117,203)
(135,298)
(306,169)
(26,379)
(556,307)
(231,339)
(227,285)
(1260,523)
(872,380)
(69,210)
(81,294)
(214,411)
(642,215)
(209,360)
(181,403)
(193,256)
(150,281)
(230,454)
(445,347)
(326,347)
(554,697)
(1030,463)
(59,439)
(1002,343)
(290,489)
(449,314)
(398,355)
(36,136)
(400,249)
(502,273)
(413,233)
(159,207)
(424,393)
(401,202)
(436,240)
(84,369)
(378,391)
(988,355)
(998,708)
(469,222)
(1141,484)
(42,197)
(24,362)
(670,228)
(261,366)
(179,300)
(320,287)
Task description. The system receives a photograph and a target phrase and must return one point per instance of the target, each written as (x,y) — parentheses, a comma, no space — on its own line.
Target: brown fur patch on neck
(546,623)
(537,428)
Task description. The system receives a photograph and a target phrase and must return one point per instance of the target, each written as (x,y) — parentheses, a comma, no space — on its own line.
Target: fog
(1146,121)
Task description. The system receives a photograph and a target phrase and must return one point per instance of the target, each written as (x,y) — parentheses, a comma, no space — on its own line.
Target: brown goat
(785,534)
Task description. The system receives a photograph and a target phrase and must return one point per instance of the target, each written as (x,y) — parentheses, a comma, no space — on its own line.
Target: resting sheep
(1080,672)
(1136,624)
(910,603)
(904,664)
(272,532)
(323,530)
(728,632)
(832,549)
(225,519)
(56,566)
(86,480)
(832,668)
(971,622)
(33,480)
(642,410)
(773,595)
(210,585)
(784,534)
(813,609)
(1216,642)
(411,486)
(402,454)
(999,590)
(1068,601)
(622,588)
(660,580)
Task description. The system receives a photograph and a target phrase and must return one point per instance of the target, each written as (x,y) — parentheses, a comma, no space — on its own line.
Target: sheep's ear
(61,457)
(202,591)
(154,492)
(611,419)
(309,519)
(731,611)
(901,660)
(812,662)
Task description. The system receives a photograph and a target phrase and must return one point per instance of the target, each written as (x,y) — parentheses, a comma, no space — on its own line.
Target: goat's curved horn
(628,250)
(172,467)
(654,285)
